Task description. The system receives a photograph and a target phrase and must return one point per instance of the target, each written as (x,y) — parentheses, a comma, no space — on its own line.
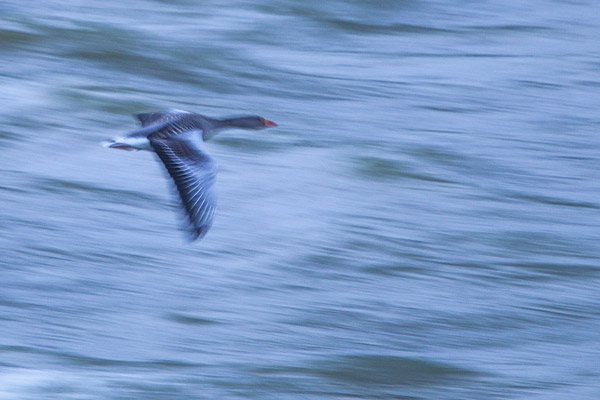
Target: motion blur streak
(423,223)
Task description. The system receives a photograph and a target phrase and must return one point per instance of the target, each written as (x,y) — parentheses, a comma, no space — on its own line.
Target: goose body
(177,137)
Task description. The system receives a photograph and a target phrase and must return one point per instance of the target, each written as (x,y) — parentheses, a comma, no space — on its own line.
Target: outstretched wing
(150,118)
(193,172)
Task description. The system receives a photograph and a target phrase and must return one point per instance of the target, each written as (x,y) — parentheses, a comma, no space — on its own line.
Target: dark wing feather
(150,118)
(180,125)
(193,172)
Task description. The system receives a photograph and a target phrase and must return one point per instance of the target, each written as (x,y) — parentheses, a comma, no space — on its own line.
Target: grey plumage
(193,172)
(177,138)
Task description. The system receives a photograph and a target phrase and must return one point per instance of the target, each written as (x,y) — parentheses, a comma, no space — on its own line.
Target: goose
(178,137)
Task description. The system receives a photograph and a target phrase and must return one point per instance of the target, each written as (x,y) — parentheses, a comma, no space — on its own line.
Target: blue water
(423,224)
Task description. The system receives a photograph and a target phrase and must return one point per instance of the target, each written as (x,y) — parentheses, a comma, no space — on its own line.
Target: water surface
(423,224)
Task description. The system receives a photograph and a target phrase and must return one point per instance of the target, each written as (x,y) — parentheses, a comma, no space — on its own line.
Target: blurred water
(422,225)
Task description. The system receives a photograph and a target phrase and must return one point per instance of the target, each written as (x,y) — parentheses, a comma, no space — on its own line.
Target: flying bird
(178,137)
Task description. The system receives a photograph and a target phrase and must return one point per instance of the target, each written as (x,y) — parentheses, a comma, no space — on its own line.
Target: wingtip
(195,234)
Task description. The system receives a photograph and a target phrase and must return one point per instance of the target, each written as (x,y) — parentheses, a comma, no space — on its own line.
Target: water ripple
(88,361)
(374,369)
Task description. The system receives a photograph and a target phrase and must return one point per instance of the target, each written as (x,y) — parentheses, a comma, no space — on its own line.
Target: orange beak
(269,123)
